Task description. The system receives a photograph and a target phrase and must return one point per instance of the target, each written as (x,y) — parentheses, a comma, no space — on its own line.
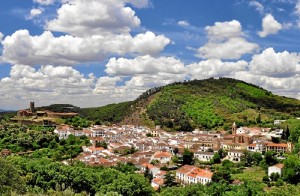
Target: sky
(96,52)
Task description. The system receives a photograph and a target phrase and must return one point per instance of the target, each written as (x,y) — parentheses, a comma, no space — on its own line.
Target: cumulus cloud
(44,84)
(278,72)
(183,23)
(139,74)
(270,63)
(146,71)
(224,30)
(269,26)
(226,41)
(139,3)
(54,84)
(34,12)
(97,17)
(44,2)
(258,6)
(233,48)
(297,8)
(144,65)
(288,86)
(1,36)
(215,68)
(22,48)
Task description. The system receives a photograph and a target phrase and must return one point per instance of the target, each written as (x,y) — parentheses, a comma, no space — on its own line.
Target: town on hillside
(154,149)
(155,152)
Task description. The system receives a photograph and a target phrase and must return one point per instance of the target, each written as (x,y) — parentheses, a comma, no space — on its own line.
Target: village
(155,149)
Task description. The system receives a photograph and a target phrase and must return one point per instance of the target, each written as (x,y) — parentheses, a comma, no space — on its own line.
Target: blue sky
(91,53)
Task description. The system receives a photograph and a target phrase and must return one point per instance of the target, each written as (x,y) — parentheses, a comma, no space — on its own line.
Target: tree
(131,185)
(256,158)
(222,153)
(286,133)
(274,176)
(216,158)
(222,175)
(176,151)
(258,118)
(101,144)
(291,172)
(270,158)
(247,158)
(187,157)
(227,164)
(250,158)
(10,179)
(169,179)
(148,174)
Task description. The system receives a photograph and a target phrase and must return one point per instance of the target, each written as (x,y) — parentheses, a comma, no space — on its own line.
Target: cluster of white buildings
(158,147)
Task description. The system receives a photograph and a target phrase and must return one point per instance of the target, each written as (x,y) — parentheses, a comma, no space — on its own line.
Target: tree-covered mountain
(206,104)
(61,108)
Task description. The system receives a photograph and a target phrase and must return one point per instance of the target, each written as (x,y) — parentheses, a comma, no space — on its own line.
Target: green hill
(206,104)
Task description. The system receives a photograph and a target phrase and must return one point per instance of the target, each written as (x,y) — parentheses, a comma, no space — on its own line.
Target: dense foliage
(113,113)
(214,103)
(60,108)
(42,175)
(78,122)
(39,142)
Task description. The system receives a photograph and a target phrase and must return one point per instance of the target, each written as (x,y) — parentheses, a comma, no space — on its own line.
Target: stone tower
(233,129)
(32,108)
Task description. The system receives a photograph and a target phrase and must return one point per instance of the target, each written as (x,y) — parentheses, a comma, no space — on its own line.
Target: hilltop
(206,104)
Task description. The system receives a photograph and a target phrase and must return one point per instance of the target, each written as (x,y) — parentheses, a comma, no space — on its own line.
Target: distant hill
(206,104)
(60,108)
(113,113)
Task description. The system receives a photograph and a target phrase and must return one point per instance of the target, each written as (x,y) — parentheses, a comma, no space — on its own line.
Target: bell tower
(233,129)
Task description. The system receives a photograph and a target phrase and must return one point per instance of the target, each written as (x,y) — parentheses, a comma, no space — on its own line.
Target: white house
(235,155)
(188,174)
(63,131)
(257,147)
(204,156)
(278,168)
(93,149)
(162,157)
(154,170)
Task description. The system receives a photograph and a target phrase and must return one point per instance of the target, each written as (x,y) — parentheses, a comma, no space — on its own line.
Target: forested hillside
(112,113)
(206,104)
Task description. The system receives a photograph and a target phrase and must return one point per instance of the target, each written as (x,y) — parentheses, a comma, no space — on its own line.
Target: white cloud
(297,8)
(226,41)
(224,30)
(53,80)
(258,6)
(183,23)
(139,3)
(288,86)
(145,65)
(1,36)
(144,72)
(97,17)
(270,63)
(22,48)
(34,12)
(233,48)
(45,85)
(215,68)
(269,26)
(44,2)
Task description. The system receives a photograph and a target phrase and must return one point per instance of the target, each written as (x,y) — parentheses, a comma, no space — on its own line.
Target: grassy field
(251,173)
